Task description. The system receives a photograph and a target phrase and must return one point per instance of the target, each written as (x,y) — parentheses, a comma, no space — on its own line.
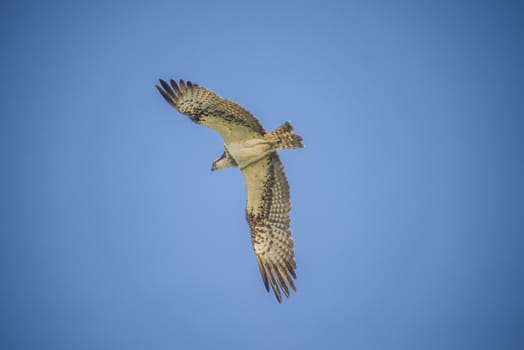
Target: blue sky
(407,200)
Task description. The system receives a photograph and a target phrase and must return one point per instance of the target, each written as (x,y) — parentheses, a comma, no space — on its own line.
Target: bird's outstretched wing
(268,205)
(204,107)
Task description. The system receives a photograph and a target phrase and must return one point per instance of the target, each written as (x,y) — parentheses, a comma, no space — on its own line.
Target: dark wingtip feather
(282,283)
(263,273)
(291,268)
(274,284)
(166,96)
(285,274)
(175,87)
(166,87)
(278,276)
(292,285)
(182,86)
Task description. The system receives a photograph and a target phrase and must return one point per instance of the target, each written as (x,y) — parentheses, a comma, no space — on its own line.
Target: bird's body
(254,151)
(249,151)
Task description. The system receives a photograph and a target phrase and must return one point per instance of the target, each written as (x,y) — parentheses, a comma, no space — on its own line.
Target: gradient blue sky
(407,201)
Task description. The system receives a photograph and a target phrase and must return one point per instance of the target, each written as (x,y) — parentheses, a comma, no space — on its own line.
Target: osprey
(254,151)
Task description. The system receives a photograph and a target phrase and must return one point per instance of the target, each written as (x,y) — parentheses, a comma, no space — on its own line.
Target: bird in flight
(254,151)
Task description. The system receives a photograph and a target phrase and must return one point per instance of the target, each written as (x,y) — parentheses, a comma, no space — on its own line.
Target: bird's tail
(285,138)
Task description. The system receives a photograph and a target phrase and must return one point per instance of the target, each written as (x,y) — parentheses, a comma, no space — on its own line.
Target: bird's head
(215,166)
(224,161)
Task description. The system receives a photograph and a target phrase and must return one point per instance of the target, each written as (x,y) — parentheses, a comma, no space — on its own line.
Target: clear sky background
(408,205)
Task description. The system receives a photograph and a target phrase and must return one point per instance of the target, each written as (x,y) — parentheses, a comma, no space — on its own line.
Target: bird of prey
(254,151)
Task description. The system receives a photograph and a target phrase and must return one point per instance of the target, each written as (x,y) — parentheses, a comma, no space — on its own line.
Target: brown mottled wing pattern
(268,205)
(204,107)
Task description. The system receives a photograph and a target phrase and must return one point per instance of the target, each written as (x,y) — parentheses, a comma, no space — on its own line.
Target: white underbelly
(248,152)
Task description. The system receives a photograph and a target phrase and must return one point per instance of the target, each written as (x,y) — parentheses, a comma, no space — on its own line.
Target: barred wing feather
(267,212)
(205,107)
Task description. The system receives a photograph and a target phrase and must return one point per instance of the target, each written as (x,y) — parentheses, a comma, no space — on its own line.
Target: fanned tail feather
(285,137)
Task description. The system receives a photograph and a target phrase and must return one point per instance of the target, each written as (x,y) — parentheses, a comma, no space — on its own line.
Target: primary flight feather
(254,151)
